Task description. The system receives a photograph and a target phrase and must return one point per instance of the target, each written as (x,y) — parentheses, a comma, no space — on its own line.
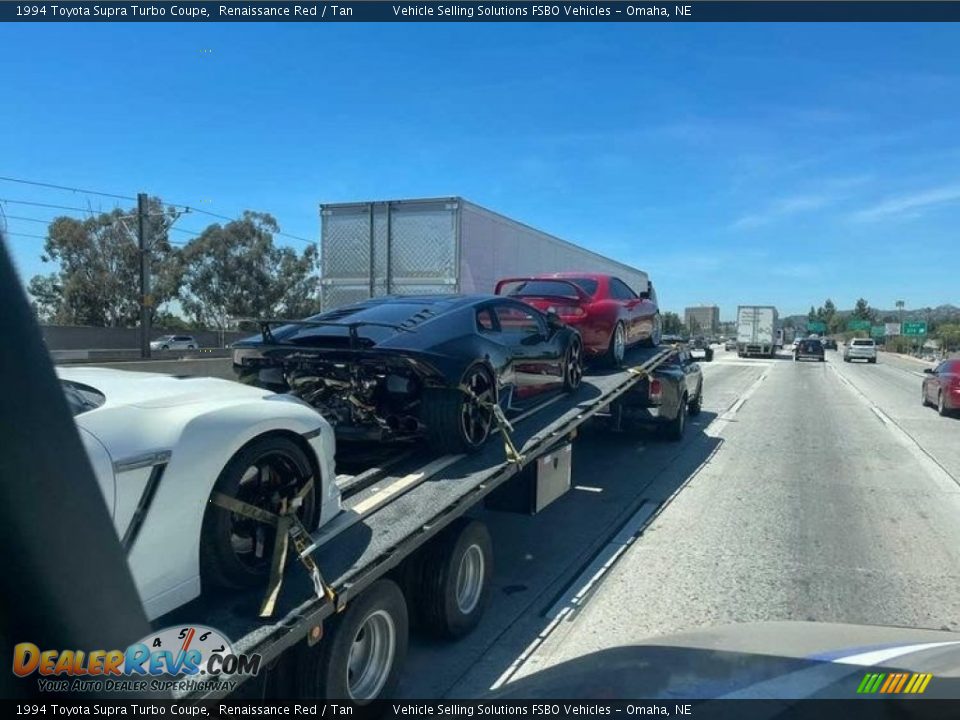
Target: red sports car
(608,313)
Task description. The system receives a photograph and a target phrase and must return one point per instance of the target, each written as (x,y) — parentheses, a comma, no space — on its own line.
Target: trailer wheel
(363,655)
(451,580)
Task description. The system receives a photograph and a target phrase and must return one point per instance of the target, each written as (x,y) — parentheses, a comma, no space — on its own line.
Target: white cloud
(784,207)
(910,204)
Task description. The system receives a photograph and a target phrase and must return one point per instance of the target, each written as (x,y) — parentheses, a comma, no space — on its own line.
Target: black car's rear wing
(352,327)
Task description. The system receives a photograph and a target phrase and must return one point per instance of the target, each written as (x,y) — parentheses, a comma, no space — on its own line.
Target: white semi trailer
(442,245)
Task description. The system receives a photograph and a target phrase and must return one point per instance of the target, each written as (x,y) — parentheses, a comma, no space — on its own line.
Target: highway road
(804,491)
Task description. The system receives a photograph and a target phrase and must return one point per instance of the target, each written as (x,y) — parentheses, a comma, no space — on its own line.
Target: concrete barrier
(207,367)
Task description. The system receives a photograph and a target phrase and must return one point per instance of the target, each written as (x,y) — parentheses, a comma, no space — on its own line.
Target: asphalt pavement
(804,491)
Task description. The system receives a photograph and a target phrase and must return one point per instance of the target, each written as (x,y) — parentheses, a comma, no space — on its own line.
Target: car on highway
(175,342)
(829,344)
(860,349)
(609,314)
(664,400)
(161,447)
(941,387)
(400,368)
(730,344)
(811,349)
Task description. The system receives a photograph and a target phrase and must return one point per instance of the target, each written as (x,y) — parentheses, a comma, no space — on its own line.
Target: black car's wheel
(696,405)
(618,346)
(573,366)
(164,347)
(673,430)
(236,551)
(459,420)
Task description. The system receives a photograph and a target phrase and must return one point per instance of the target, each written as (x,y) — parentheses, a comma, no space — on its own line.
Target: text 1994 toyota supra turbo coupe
(160,446)
(394,368)
(609,315)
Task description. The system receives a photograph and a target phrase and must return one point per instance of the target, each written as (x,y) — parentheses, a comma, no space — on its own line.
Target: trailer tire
(380,615)
(451,580)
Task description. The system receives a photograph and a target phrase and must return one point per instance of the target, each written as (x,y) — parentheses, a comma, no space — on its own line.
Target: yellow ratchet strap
(503,425)
(289,530)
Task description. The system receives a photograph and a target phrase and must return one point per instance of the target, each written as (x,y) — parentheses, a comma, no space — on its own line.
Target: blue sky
(749,164)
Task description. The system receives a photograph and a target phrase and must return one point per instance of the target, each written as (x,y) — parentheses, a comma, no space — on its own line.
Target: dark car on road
(398,368)
(664,400)
(829,344)
(941,387)
(809,349)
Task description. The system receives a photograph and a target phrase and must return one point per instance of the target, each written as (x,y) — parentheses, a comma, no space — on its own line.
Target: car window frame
(617,282)
(520,307)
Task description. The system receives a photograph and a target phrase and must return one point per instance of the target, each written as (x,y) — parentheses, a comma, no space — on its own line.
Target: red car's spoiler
(581,295)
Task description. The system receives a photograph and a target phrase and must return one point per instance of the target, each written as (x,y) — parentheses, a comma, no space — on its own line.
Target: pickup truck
(664,399)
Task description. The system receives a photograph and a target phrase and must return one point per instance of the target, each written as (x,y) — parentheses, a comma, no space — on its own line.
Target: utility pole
(146,301)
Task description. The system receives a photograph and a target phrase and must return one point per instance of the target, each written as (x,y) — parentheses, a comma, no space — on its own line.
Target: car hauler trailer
(444,245)
(403,547)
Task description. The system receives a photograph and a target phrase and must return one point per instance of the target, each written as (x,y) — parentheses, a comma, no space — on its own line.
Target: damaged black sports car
(400,368)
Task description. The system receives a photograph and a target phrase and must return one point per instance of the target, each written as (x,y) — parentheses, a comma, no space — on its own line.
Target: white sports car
(160,445)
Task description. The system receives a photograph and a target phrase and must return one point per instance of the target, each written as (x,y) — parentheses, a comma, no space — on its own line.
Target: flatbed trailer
(396,521)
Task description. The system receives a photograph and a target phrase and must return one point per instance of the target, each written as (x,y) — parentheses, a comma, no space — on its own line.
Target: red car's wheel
(618,346)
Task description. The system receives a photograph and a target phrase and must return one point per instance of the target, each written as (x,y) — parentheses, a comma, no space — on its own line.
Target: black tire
(873,361)
(614,358)
(221,564)
(941,406)
(923,398)
(324,670)
(656,333)
(164,347)
(573,366)
(696,405)
(444,412)
(673,430)
(462,557)
(191,347)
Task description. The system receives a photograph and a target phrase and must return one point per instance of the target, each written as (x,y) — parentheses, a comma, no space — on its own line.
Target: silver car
(175,342)
(860,349)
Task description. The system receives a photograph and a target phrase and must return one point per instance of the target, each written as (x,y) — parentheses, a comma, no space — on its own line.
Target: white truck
(756,330)
(440,245)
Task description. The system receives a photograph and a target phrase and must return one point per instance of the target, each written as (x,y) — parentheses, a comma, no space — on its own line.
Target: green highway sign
(914,328)
(877,331)
(859,324)
(816,326)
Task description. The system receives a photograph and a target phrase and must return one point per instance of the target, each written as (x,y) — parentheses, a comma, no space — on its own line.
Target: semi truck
(440,245)
(756,331)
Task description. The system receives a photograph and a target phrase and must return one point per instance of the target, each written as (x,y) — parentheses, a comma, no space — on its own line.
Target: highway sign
(815,326)
(891,329)
(859,324)
(877,331)
(914,328)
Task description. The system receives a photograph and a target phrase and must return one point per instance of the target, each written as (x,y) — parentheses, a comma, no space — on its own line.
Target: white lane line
(721,421)
(581,586)
(604,559)
(947,482)
(587,488)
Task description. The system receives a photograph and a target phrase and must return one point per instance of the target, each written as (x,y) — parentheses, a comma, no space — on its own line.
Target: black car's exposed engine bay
(363,400)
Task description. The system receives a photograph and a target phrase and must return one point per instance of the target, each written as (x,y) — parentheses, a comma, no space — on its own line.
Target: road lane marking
(939,474)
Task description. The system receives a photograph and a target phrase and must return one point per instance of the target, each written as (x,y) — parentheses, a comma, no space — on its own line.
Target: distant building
(705,319)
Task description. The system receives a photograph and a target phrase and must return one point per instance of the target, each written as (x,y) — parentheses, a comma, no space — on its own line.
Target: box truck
(442,245)
(756,330)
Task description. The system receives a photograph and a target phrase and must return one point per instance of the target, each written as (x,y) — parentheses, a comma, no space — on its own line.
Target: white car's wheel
(236,551)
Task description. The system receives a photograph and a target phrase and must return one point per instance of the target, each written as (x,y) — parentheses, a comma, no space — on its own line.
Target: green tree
(812,315)
(672,324)
(97,280)
(235,271)
(949,335)
(863,311)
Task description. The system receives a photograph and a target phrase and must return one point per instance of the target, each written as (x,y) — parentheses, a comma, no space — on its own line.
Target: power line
(45,205)
(27,235)
(26,219)
(190,208)
(65,187)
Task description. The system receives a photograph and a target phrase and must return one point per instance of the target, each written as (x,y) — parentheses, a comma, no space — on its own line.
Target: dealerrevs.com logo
(188,659)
